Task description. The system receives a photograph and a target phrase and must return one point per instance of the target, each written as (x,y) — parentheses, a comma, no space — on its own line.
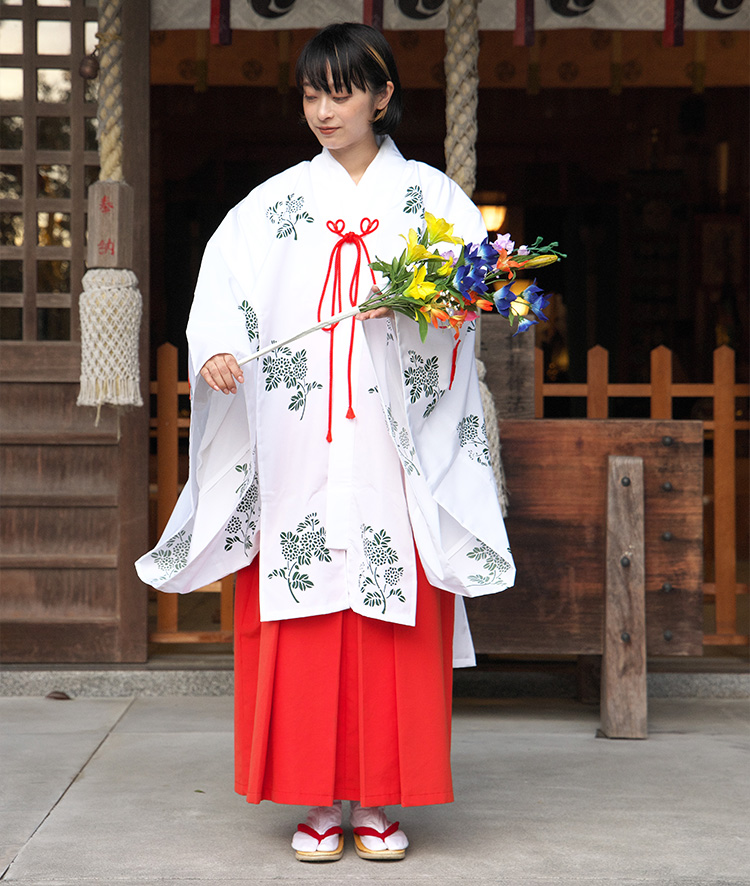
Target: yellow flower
(446,268)
(415,251)
(519,307)
(439,231)
(419,287)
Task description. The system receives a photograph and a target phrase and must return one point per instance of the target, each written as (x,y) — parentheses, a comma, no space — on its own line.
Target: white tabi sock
(375,817)
(319,818)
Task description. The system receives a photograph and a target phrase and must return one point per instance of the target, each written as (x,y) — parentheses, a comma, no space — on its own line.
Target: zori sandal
(318,854)
(384,854)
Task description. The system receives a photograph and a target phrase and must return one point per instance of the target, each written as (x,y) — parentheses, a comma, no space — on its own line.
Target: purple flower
(504,242)
(523,250)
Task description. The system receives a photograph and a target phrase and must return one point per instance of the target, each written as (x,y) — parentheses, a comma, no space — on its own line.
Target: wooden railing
(661,391)
(166,427)
(721,469)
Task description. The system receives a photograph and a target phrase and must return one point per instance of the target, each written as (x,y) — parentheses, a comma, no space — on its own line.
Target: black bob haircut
(356,55)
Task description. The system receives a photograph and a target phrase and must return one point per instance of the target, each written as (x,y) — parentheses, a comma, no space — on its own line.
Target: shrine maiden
(345,476)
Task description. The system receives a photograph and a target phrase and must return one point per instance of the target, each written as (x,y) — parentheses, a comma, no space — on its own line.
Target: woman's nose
(325,107)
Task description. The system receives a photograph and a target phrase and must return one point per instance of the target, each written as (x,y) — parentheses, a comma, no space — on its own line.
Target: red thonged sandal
(320,854)
(377,854)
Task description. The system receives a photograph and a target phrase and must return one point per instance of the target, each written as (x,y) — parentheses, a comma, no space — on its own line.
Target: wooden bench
(605,524)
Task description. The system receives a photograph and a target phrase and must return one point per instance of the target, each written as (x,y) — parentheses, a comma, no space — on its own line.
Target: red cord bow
(366,226)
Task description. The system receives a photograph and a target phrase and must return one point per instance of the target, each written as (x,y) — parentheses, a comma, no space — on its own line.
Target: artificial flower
(439,231)
(415,249)
(447,290)
(420,287)
(503,242)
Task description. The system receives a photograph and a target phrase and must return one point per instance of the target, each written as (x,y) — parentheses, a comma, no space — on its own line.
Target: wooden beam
(624,697)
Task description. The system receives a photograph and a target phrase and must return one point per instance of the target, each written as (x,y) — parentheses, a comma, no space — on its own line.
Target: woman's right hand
(220,372)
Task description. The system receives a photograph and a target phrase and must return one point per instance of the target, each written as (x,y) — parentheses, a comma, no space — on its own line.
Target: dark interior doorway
(626,183)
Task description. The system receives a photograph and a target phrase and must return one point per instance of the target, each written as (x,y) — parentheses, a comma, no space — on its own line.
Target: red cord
(366,226)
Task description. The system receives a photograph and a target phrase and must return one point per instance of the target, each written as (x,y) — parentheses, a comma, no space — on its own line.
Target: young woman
(345,477)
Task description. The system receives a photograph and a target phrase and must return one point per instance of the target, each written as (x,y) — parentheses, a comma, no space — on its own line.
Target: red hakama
(342,707)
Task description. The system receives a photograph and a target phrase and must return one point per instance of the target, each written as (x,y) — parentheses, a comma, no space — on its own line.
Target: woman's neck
(356,158)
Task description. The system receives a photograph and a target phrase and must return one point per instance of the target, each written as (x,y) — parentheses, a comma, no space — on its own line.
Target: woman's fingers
(220,372)
(374,313)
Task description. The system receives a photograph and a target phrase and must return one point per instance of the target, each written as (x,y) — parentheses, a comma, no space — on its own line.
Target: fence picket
(166,465)
(597,367)
(725,531)
(661,383)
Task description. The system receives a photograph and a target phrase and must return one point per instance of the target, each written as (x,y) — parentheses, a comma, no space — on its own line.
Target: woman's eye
(341,98)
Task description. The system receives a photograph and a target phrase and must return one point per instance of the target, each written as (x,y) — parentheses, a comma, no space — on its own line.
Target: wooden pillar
(624,696)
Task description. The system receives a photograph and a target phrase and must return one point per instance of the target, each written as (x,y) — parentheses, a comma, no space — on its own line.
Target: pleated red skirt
(342,707)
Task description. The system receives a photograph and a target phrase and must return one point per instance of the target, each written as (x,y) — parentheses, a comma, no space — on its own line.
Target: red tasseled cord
(367,226)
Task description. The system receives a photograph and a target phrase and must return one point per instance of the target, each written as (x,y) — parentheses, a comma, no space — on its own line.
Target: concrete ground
(135,791)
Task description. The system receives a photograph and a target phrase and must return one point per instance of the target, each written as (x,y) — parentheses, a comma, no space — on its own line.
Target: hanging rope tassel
(111,308)
(462,89)
(110,305)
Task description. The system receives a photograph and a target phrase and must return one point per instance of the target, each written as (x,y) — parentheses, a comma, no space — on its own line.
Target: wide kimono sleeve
(213,530)
(432,403)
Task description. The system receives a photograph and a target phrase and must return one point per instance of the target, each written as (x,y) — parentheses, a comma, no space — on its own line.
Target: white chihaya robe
(338,520)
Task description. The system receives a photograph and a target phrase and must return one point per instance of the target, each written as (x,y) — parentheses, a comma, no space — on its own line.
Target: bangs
(313,69)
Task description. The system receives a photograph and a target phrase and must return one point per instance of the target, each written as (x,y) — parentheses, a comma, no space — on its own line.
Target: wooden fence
(721,469)
(661,391)
(166,426)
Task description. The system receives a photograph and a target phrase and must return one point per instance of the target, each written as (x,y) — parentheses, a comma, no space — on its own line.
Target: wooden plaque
(110,225)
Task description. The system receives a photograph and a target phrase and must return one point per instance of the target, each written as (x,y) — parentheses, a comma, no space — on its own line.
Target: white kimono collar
(387,153)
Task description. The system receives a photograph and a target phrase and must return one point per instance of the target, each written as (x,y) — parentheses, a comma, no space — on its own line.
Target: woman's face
(342,120)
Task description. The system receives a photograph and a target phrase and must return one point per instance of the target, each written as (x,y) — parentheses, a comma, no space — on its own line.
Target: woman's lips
(327,130)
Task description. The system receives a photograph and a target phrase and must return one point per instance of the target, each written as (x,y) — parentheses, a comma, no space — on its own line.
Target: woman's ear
(384,96)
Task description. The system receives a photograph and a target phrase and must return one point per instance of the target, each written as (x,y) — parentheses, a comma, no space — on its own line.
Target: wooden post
(510,362)
(597,377)
(624,696)
(725,523)
(166,465)
(538,382)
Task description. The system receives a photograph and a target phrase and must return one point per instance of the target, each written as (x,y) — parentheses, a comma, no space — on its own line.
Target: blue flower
(522,308)
(470,278)
(503,299)
(536,298)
